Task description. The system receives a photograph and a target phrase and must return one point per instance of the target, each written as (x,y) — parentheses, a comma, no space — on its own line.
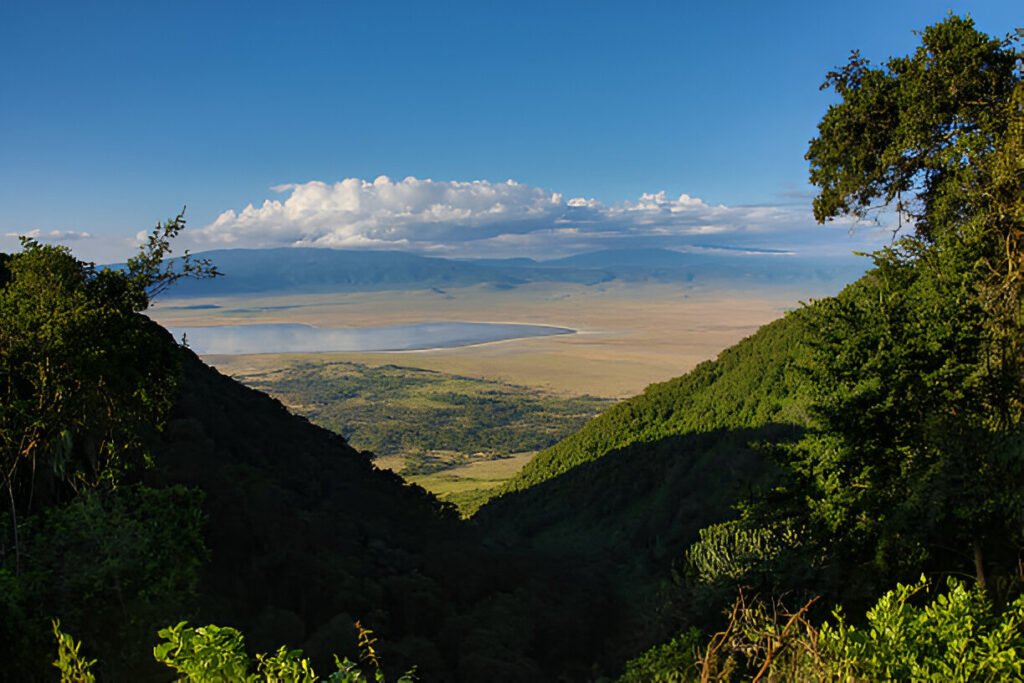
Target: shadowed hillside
(306,536)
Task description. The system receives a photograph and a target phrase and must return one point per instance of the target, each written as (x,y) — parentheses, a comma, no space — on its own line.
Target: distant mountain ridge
(314,270)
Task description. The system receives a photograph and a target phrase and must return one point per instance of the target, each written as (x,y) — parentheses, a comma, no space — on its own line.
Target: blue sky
(114,115)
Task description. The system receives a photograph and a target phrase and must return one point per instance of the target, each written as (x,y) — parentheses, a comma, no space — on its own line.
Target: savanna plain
(627,336)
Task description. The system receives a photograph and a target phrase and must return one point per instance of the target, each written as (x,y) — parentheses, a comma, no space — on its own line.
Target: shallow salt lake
(295,338)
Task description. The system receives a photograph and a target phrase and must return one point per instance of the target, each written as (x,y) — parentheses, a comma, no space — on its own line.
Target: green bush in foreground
(955,637)
(216,654)
(72,666)
(673,662)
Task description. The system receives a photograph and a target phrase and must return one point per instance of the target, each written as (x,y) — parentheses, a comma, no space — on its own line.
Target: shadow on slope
(628,516)
(306,536)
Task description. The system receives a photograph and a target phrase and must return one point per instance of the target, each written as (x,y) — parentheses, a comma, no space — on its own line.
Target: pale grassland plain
(628,335)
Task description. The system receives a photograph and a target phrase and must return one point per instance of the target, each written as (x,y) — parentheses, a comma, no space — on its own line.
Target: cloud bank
(51,235)
(484,219)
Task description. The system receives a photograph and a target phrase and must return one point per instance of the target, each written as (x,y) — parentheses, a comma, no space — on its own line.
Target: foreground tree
(85,382)
(83,377)
(916,457)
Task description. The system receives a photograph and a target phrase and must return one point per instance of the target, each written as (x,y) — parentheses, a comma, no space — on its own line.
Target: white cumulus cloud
(483,218)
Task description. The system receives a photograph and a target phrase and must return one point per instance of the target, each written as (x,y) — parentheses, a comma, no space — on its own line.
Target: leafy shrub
(211,654)
(112,566)
(730,549)
(957,636)
(216,654)
(671,662)
(72,666)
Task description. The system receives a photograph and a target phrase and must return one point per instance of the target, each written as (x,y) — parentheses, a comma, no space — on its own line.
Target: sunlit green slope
(751,384)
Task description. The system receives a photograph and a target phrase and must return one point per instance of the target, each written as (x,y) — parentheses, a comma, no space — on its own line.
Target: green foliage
(905,436)
(112,566)
(731,550)
(217,654)
(85,381)
(671,662)
(749,385)
(207,654)
(285,665)
(83,377)
(914,459)
(152,273)
(955,637)
(919,125)
(72,666)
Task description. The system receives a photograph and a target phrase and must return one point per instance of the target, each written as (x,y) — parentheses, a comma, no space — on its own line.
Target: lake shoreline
(267,338)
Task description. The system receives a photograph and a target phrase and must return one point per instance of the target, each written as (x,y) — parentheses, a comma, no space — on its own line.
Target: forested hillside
(752,384)
(625,494)
(909,475)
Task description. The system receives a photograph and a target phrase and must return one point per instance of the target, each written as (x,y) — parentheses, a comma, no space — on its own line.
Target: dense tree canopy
(86,382)
(916,456)
(83,377)
(80,377)
(916,130)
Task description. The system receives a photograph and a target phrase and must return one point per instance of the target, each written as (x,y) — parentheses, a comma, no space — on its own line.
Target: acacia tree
(84,378)
(916,455)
